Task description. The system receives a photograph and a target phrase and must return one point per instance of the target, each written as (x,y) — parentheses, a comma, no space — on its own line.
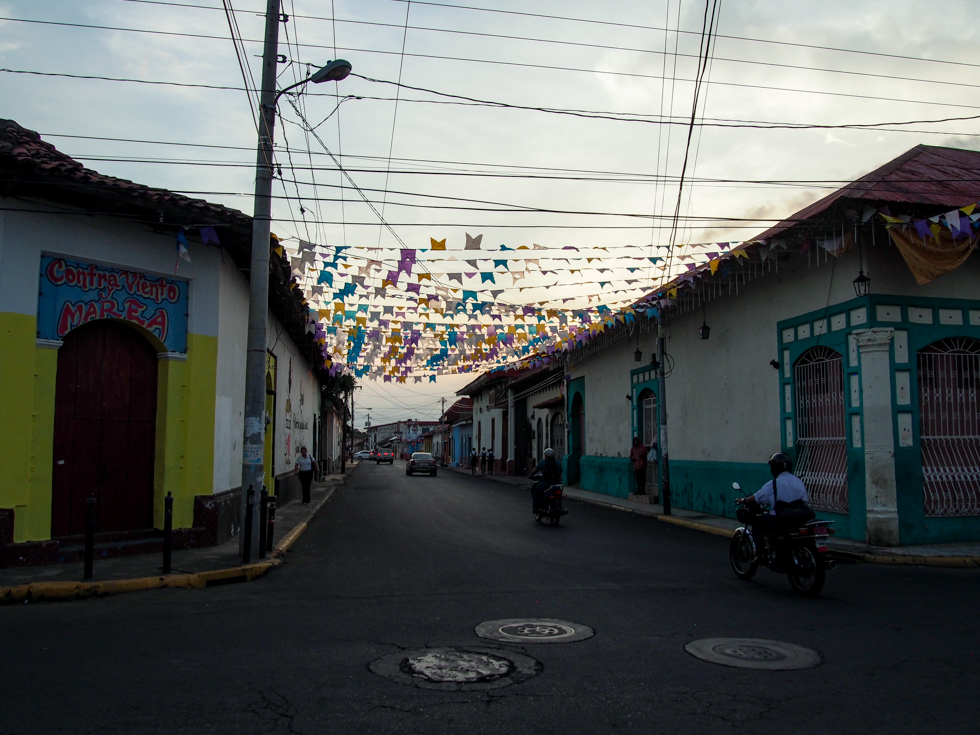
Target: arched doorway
(648,423)
(949,426)
(540,436)
(820,428)
(104,429)
(557,434)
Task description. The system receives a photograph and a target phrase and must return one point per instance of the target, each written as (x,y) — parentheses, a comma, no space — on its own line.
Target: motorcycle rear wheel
(741,553)
(807,575)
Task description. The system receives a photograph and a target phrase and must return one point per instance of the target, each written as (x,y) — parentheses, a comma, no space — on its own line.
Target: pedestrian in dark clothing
(490,461)
(483,461)
(638,456)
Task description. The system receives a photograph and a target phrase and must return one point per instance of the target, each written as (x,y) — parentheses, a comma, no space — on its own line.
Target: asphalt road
(395,563)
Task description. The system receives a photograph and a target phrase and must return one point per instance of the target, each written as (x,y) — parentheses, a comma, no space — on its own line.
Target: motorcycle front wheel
(741,553)
(806,575)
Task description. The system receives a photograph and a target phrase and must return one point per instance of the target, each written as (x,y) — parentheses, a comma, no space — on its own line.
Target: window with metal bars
(949,427)
(820,428)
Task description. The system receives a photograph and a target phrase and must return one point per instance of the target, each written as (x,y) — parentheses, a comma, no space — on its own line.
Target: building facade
(874,395)
(123,364)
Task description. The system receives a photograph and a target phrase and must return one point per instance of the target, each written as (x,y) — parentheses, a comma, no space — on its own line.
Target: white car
(363,454)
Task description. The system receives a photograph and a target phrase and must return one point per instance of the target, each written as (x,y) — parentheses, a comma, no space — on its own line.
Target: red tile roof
(927,175)
(25,159)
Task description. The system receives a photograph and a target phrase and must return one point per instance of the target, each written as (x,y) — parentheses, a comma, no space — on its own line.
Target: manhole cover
(754,653)
(534,630)
(456,669)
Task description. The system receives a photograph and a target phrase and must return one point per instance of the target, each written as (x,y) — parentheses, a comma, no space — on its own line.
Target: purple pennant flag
(414,287)
(922,227)
(208,234)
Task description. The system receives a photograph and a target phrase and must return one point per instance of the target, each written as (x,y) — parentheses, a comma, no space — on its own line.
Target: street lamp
(253,445)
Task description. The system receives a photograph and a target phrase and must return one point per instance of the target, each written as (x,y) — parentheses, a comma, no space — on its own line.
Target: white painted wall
(297,399)
(229,404)
(723,396)
(105,241)
(491,420)
(544,414)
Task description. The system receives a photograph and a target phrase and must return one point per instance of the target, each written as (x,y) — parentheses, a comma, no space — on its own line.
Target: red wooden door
(104,429)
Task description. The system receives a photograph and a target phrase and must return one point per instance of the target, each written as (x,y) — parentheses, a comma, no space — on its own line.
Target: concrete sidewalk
(955,555)
(202,567)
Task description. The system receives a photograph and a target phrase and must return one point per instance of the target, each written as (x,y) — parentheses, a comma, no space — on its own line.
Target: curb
(948,562)
(936,562)
(695,525)
(50,591)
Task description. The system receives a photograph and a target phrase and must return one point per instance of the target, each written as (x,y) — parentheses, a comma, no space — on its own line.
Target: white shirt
(304,464)
(789,487)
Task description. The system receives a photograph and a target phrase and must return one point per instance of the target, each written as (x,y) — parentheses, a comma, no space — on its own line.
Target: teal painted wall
(608,475)
(914,527)
(576,442)
(707,486)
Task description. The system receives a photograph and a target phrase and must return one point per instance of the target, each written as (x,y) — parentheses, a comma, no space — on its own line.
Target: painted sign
(73,293)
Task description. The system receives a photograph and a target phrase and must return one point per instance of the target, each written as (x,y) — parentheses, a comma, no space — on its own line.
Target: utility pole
(343,438)
(253,445)
(662,405)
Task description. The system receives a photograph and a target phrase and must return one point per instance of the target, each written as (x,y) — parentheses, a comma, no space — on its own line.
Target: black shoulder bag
(796,512)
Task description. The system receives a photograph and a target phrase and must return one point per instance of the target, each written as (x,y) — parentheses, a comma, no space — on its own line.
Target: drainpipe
(662,407)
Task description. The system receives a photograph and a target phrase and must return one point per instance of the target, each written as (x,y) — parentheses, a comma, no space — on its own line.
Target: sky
(592,150)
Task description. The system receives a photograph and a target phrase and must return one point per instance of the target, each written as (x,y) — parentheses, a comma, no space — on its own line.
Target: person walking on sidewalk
(473,460)
(483,461)
(490,461)
(307,467)
(638,456)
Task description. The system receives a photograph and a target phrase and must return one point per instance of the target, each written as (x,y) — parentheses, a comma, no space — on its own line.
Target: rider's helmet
(549,452)
(780,462)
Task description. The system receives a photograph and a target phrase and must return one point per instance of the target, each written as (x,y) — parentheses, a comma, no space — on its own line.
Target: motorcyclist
(792,497)
(548,473)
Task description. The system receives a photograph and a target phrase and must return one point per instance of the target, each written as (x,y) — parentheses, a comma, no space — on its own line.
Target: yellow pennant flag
(437,244)
(424,277)
(713,264)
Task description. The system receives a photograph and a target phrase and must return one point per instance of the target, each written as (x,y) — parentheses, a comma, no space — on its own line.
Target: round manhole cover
(456,669)
(534,630)
(754,653)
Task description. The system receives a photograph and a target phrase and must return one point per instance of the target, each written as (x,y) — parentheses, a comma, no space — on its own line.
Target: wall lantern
(862,284)
(704,331)
(774,364)
(637,356)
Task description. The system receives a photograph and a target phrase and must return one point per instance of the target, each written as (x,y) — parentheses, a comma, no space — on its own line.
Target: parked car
(385,455)
(363,454)
(421,462)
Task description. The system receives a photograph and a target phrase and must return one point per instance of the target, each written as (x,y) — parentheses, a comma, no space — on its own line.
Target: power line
(562,68)
(636,175)
(636,26)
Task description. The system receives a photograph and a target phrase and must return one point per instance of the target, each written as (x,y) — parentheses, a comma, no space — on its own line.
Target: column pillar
(881,525)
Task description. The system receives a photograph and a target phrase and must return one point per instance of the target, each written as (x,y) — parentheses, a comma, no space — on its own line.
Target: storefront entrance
(104,429)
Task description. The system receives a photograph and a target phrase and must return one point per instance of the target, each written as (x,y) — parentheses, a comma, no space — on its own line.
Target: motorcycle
(550,508)
(801,552)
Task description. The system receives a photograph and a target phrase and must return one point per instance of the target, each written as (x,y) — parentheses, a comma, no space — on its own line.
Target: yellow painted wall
(18,335)
(184,461)
(185,429)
